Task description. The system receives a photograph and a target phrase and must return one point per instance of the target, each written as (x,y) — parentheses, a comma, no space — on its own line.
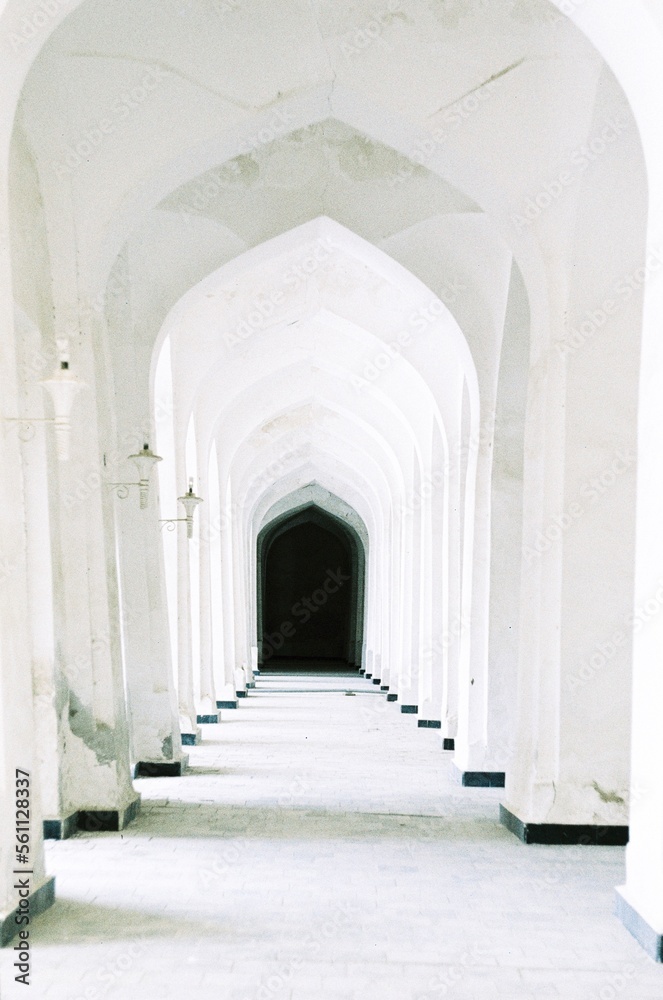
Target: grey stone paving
(318,849)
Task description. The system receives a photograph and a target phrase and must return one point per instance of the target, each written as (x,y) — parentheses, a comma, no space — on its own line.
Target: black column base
(377,680)
(362,671)
(226,704)
(242,694)
(39,901)
(410,709)
(61,829)
(368,676)
(189,739)
(207,719)
(480,779)
(96,820)
(392,697)
(429,724)
(648,939)
(160,769)
(384,687)
(250,684)
(563,833)
(448,743)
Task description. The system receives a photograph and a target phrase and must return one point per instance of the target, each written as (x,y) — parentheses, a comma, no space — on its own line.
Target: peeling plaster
(608,796)
(99,737)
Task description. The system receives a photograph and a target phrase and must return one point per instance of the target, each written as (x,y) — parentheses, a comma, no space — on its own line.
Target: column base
(410,709)
(362,671)
(40,900)
(392,697)
(250,684)
(648,939)
(377,680)
(242,694)
(368,676)
(384,687)
(161,768)
(448,743)
(207,719)
(429,724)
(563,833)
(226,704)
(61,829)
(479,779)
(114,820)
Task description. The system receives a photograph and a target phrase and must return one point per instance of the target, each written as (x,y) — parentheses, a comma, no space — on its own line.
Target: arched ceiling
(320,129)
(213,129)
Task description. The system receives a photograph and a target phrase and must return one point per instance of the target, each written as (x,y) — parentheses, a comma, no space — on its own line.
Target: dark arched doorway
(310,600)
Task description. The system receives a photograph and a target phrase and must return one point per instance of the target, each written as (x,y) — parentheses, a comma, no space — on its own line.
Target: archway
(310,592)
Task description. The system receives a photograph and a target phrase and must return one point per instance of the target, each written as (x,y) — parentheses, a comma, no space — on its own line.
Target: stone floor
(319,850)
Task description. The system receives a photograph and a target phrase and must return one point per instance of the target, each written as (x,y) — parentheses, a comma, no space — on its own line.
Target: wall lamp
(62,387)
(189,501)
(145,461)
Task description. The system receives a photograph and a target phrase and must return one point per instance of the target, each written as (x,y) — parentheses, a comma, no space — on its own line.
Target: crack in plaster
(491,79)
(166,68)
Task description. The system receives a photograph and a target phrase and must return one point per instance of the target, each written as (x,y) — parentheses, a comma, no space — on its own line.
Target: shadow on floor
(304,665)
(73,922)
(281,820)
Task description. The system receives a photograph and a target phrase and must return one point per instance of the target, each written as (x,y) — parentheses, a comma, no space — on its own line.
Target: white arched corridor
(386,283)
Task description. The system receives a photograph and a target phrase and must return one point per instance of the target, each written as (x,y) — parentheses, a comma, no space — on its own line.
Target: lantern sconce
(189,501)
(62,387)
(145,461)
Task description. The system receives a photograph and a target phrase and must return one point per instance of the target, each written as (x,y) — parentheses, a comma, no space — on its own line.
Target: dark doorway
(308,616)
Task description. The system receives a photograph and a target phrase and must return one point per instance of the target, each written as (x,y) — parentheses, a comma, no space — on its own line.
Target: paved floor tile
(318,849)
